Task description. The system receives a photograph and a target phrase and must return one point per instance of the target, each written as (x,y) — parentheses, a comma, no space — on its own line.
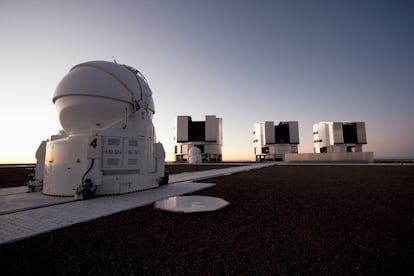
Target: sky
(243,61)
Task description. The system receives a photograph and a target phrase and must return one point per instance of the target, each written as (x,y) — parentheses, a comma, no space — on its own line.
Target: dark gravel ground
(13,176)
(180,168)
(295,220)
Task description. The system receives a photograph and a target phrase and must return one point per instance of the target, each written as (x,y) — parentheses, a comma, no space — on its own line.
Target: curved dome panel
(97,93)
(100,78)
(81,114)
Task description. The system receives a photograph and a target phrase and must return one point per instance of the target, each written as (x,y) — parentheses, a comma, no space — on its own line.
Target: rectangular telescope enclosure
(272,142)
(205,136)
(339,137)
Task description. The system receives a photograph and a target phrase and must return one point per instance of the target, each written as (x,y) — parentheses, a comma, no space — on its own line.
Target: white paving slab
(15,202)
(196,176)
(13,190)
(16,226)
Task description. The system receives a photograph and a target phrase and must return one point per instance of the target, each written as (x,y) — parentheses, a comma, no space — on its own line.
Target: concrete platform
(200,175)
(23,215)
(349,157)
(27,223)
(16,202)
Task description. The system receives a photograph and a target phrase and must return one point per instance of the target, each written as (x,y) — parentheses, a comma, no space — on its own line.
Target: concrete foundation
(351,157)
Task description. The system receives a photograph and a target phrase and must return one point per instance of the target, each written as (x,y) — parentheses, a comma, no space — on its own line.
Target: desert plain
(282,220)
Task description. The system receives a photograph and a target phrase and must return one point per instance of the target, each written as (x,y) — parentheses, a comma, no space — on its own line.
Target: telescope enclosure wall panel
(338,133)
(323,135)
(269,133)
(211,132)
(315,138)
(220,131)
(361,133)
(182,128)
(294,132)
(212,149)
(257,135)
(260,131)
(285,148)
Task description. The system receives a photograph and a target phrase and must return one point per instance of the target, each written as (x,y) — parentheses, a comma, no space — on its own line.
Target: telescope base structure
(89,165)
(205,158)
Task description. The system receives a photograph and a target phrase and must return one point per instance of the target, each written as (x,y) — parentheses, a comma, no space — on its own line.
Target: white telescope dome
(97,93)
(194,155)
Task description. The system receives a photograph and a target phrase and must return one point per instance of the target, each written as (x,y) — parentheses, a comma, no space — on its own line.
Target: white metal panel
(316,137)
(262,134)
(182,128)
(257,135)
(220,131)
(132,153)
(323,135)
(293,132)
(212,132)
(269,132)
(65,163)
(212,149)
(338,136)
(361,134)
(112,153)
(40,161)
(281,149)
(94,148)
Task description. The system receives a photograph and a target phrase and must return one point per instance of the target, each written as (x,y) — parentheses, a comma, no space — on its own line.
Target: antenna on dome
(114,58)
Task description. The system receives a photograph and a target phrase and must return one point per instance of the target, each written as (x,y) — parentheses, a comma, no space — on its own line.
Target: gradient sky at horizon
(243,61)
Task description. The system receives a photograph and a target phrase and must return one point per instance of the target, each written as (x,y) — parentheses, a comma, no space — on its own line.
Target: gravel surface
(179,168)
(282,220)
(13,176)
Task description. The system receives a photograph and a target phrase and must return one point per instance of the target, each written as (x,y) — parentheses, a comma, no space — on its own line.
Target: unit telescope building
(272,142)
(336,142)
(198,141)
(339,137)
